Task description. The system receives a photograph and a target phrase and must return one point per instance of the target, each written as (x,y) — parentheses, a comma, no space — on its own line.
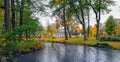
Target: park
(59,31)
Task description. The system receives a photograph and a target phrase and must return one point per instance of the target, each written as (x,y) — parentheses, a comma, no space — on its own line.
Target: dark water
(56,52)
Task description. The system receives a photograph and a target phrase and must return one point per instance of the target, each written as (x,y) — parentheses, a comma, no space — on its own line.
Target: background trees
(99,6)
(81,10)
(18,18)
(110,26)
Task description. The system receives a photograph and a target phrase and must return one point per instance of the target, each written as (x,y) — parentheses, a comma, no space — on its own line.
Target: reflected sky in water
(56,52)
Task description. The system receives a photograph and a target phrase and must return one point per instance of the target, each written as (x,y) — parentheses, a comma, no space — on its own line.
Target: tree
(60,7)
(117,30)
(80,9)
(110,26)
(94,30)
(50,30)
(7,14)
(99,6)
(13,13)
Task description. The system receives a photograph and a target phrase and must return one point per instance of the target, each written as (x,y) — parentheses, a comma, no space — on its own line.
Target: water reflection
(55,52)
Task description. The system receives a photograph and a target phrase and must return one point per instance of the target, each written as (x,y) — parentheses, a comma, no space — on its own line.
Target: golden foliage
(118,31)
(57,1)
(94,30)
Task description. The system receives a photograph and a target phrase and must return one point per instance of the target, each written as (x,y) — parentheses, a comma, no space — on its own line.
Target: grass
(90,42)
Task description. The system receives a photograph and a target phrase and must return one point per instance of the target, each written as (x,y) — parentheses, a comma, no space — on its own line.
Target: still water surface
(56,52)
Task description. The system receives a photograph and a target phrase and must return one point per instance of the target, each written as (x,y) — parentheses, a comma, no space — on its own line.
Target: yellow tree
(94,30)
(57,2)
(50,30)
(118,30)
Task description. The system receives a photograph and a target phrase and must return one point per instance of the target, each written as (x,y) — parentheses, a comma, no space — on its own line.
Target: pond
(57,52)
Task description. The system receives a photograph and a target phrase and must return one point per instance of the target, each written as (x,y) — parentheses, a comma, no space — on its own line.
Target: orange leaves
(80,30)
(37,46)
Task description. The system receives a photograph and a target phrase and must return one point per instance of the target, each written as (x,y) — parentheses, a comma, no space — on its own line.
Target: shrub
(102,44)
(110,38)
(17,47)
(77,37)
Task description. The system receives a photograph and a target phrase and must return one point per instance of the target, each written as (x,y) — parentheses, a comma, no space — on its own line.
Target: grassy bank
(9,48)
(90,42)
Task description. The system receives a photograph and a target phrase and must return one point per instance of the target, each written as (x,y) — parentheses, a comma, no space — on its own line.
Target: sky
(115,12)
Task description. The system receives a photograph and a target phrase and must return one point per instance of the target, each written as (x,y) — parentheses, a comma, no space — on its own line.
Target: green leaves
(110,25)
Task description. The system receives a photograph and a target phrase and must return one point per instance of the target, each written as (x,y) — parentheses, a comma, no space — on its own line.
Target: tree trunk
(21,17)
(98,20)
(7,14)
(27,36)
(85,37)
(69,32)
(13,14)
(66,38)
(82,14)
(88,31)
(97,34)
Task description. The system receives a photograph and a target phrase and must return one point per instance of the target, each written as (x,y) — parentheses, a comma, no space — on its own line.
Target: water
(56,52)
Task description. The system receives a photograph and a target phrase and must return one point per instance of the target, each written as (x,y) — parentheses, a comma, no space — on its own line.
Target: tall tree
(21,16)
(7,14)
(13,13)
(110,25)
(79,9)
(98,6)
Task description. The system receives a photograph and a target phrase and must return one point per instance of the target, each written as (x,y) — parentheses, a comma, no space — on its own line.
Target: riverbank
(10,48)
(89,42)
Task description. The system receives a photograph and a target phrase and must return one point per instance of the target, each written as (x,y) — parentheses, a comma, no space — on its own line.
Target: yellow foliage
(1,13)
(94,30)
(118,31)
(57,1)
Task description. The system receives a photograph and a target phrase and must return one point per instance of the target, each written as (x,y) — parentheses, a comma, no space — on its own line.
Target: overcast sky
(115,12)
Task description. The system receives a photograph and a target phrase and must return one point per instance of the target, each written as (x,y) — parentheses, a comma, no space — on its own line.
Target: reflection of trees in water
(84,54)
(72,54)
(104,55)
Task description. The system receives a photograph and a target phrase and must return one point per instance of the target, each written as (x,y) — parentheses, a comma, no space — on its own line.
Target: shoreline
(94,43)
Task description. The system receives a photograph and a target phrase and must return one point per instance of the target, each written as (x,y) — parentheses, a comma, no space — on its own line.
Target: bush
(77,37)
(110,38)
(18,47)
(103,44)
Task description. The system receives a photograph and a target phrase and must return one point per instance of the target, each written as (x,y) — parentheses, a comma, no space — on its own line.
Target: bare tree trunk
(7,14)
(82,13)
(13,13)
(69,32)
(88,31)
(97,34)
(21,17)
(66,38)
(27,36)
(98,20)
